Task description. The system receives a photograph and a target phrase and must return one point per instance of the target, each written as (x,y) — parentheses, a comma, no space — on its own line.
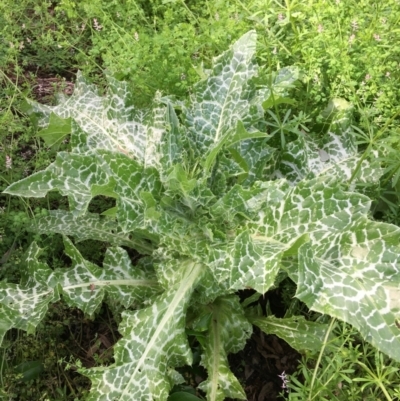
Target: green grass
(349,370)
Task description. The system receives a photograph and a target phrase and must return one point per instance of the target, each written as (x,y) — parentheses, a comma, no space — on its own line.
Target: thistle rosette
(216,209)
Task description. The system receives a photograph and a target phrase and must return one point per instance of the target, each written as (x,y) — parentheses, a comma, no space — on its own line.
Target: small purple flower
(96,24)
(26,155)
(354,25)
(285,381)
(8,162)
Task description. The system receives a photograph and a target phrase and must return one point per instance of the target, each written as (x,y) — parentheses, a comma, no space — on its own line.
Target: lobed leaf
(299,333)
(153,342)
(352,273)
(24,305)
(335,156)
(223,101)
(89,226)
(228,331)
(80,177)
(56,131)
(84,286)
(279,220)
(247,262)
(109,122)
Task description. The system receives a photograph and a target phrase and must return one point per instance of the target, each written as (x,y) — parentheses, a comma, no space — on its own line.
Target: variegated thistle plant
(213,209)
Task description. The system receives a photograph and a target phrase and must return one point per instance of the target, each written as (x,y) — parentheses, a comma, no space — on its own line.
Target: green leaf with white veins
(131,179)
(335,156)
(280,219)
(23,306)
(153,342)
(85,284)
(56,131)
(248,262)
(353,274)
(80,177)
(173,149)
(89,226)
(223,100)
(228,331)
(299,333)
(110,122)
(256,157)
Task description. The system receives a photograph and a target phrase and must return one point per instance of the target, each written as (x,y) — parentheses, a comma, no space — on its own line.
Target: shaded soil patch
(265,357)
(259,365)
(92,341)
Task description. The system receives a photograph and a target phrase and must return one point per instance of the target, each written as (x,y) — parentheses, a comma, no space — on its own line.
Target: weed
(343,49)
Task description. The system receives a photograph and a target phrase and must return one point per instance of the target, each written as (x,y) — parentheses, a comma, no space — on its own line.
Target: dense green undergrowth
(341,50)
